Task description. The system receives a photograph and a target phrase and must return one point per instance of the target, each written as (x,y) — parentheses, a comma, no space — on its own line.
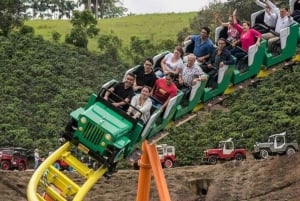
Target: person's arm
(146,108)
(173,93)
(165,103)
(180,79)
(273,7)
(238,27)
(203,58)
(228,58)
(163,64)
(290,18)
(152,93)
(210,60)
(108,92)
(206,57)
(121,103)
(258,36)
(217,17)
(132,102)
(188,38)
(260,4)
(199,76)
(198,79)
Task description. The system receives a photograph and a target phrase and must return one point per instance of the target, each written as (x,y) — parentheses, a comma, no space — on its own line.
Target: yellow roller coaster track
(50,184)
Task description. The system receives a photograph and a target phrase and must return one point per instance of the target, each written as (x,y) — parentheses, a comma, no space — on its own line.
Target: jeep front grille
(93,134)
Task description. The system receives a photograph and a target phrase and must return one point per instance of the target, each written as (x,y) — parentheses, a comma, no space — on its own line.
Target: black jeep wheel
(5,165)
(290,151)
(238,157)
(212,160)
(264,154)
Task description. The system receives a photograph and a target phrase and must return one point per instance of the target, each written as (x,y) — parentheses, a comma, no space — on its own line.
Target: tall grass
(156,27)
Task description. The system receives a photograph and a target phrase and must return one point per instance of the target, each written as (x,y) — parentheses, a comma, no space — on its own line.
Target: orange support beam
(150,160)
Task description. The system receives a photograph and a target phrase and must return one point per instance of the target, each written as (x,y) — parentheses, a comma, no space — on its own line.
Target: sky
(164,6)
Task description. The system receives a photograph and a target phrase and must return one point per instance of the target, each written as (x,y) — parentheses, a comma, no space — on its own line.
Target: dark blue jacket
(225,57)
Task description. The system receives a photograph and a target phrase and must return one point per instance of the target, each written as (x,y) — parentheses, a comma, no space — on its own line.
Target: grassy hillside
(156,27)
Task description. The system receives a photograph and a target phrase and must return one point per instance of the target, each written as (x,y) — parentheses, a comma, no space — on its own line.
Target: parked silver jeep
(277,144)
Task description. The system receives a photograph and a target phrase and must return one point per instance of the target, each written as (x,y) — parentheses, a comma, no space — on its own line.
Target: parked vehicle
(277,144)
(62,165)
(225,151)
(13,158)
(166,154)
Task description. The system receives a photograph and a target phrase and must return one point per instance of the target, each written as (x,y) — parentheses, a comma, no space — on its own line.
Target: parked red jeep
(13,158)
(226,151)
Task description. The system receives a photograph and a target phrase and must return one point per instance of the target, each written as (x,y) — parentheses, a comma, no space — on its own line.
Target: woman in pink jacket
(248,37)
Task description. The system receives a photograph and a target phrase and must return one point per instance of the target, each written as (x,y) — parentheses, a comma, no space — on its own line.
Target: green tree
(110,47)
(84,26)
(139,49)
(11,15)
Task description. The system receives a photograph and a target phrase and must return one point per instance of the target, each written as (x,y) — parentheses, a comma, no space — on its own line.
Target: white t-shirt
(172,66)
(144,108)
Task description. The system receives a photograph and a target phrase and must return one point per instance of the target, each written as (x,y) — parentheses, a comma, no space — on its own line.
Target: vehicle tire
(22,167)
(95,165)
(168,163)
(290,151)
(264,154)
(117,154)
(5,165)
(70,169)
(212,160)
(57,166)
(238,157)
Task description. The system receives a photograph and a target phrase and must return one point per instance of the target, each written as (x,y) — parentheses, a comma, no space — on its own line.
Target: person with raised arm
(270,16)
(233,36)
(283,20)
(249,37)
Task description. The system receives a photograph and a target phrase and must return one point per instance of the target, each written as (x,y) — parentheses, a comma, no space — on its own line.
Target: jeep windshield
(271,139)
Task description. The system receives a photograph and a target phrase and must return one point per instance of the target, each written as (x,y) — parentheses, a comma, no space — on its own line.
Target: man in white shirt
(283,20)
(270,16)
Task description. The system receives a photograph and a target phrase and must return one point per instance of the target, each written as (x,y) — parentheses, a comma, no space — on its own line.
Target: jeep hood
(263,144)
(213,150)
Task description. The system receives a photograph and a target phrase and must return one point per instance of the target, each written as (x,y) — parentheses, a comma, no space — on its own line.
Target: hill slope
(275,179)
(155,27)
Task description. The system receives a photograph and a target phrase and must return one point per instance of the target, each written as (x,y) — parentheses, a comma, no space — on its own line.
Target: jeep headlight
(80,129)
(108,137)
(83,120)
(103,144)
